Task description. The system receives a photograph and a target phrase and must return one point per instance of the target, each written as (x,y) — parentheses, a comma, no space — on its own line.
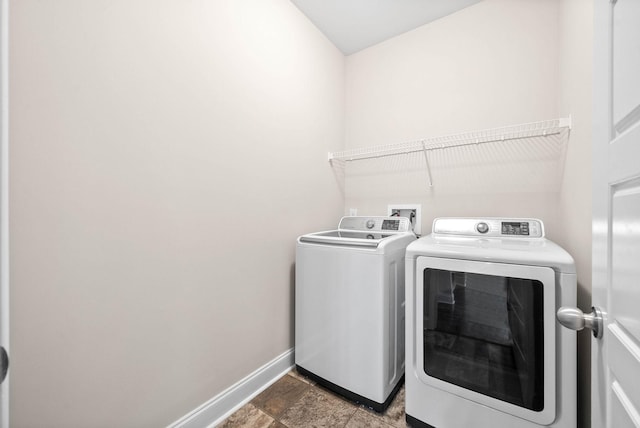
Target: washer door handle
(575,319)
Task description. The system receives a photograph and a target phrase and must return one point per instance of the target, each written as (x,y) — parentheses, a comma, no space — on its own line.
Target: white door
(615,370)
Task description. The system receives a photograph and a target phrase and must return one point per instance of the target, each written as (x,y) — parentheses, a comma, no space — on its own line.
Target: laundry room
(149,145)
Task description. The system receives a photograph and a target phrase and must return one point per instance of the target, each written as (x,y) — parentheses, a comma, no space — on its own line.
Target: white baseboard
(220,407)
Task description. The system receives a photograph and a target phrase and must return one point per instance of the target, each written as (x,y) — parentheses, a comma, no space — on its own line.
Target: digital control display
(515,228)
(390,224)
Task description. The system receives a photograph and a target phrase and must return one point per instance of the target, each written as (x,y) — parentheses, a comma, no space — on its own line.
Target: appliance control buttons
(370,224)
(482,227)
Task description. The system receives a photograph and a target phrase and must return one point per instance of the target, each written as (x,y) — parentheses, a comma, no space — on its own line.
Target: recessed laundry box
(349,307)
(484,348)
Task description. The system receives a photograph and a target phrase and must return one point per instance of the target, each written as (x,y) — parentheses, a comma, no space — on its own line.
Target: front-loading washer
(349,307)
(483,345)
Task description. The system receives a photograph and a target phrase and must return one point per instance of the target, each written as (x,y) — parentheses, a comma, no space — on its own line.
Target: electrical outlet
(411,211)
(353,211)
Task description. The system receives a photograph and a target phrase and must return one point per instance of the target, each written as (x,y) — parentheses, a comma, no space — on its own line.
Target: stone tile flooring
(294,401)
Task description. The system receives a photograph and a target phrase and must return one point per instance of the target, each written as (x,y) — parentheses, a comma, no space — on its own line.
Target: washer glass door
(483,333)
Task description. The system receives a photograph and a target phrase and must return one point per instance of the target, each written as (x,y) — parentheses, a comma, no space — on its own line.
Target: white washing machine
(483,345)
(349,307)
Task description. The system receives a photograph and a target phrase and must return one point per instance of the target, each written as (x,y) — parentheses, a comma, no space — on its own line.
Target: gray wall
(164,157)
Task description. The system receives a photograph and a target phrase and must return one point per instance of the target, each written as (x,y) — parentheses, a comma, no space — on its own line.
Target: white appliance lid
(340,237)
(362,231)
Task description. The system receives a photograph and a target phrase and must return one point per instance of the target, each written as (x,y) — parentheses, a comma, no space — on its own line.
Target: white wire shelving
(474,138)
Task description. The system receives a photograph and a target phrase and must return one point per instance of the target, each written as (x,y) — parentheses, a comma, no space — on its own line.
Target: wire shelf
(526,130)
(474,138)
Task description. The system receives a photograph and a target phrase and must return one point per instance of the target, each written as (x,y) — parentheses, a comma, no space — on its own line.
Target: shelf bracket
(565,122)
(426,160)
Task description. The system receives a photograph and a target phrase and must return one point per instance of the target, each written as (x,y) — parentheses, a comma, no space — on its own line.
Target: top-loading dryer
(483,345)
(349,307)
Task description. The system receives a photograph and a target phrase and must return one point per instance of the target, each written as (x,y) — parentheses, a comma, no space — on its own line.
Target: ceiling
(353,25)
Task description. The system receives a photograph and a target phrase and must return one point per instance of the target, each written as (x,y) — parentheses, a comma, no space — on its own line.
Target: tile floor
(294,401)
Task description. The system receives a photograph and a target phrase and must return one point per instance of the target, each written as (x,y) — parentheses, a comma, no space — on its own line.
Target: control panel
(377,224)
(520,228)
(490,227)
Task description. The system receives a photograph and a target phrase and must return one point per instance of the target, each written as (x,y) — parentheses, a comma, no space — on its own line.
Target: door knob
(4,363)
(575,319)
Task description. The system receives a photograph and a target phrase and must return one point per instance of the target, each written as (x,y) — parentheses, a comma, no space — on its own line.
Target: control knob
(370,224)
(482,227)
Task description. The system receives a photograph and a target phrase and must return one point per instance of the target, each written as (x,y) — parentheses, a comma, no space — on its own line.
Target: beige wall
(576,65)
(499,62)
(490,65)
(164,156)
